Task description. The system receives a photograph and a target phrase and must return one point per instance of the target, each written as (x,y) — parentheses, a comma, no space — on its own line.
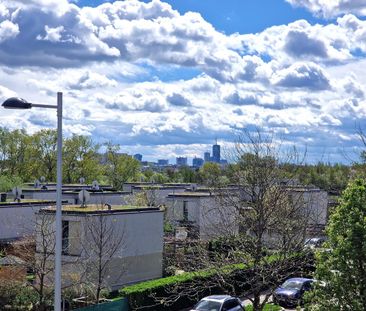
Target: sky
(166,78)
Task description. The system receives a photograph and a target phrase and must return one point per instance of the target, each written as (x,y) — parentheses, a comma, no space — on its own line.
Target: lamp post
(19,103)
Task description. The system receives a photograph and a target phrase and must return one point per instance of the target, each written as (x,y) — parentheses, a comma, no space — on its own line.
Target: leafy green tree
(343,267)
(41,155)
(120,168)
(7,183)
(210,173)
(80,159)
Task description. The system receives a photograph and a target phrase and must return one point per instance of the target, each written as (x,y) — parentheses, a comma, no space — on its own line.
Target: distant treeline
(25,157)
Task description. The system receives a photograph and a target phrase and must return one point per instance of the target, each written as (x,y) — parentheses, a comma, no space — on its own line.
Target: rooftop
(100,209)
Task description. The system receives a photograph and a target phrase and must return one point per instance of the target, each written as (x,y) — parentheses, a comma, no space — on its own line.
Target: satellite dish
(37,183)
(84,197)
(17,192)
(82,180)
(42,179)
(95,185)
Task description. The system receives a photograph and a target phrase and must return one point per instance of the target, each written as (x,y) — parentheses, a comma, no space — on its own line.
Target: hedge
(152,295)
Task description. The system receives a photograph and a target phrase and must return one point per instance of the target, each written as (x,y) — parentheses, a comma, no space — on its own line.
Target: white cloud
(109,60)
(331,8)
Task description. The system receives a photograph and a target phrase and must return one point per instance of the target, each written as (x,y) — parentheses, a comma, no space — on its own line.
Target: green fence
(118,305)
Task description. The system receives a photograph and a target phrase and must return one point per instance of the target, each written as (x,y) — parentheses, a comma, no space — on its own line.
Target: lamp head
(16,103)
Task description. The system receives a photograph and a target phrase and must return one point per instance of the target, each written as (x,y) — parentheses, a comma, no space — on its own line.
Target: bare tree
(272,216)
(37,251)
(103,244)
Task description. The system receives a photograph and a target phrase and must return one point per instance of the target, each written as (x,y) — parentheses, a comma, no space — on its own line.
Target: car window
(229,304)
(307,286)
(207,305)
(292,285)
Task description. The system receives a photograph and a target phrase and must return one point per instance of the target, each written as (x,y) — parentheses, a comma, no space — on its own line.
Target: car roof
(218,297)
(299,280)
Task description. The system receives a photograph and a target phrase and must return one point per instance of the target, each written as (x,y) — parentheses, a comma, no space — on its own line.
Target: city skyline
(166,77)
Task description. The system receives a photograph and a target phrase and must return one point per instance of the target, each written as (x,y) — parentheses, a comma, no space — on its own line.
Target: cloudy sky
(167,78)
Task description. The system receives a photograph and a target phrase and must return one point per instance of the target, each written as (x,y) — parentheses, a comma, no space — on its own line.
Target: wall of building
(17,221)
(139,236)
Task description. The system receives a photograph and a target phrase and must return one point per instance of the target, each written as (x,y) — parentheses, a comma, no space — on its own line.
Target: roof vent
(84,197)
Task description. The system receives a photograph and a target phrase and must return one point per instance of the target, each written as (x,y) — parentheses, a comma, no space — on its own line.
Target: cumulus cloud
(109,61)
(303,75)
(178,100)
(328,9)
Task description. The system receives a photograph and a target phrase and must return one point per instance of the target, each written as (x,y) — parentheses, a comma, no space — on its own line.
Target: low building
(202,214)
(130,240)
(17,220)
(71,195)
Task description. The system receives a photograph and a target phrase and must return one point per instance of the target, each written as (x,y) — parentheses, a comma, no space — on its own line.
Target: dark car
(291,292)
(218,303)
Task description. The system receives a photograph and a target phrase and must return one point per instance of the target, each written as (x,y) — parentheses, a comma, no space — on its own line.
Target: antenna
(17,192)
(37,183)
(84,197)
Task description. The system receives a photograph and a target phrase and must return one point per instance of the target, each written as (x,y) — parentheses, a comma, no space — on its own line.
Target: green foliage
(210,174)
(141,294)
(120,168)
(80,159)
(343,268)
(17,295)
(7,183)
(267,307)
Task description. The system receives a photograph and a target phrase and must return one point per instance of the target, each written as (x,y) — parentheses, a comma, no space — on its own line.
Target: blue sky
(243,16)
(165,78)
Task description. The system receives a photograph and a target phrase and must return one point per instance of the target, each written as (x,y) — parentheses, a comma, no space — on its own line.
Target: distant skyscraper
(207,156)
(216,153)
(138,157)
(181,161)
(197,162)
(162,162)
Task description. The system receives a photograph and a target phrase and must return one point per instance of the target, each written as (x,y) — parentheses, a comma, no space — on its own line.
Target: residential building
(138,156)
(216,156)
(132,249)
(197,162)
(207,156)
(17,220)
(163,162)
(181,161)
(202,214)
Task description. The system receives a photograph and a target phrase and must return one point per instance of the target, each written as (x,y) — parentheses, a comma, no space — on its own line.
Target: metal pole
(58,250)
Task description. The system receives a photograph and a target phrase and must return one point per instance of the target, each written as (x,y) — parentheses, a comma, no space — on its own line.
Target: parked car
(291,292)
(219,303)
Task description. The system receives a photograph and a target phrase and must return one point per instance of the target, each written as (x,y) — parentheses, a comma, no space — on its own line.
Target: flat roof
(100,209)
(190,194)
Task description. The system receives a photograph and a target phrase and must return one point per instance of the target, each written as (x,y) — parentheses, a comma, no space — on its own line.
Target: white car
(219,303)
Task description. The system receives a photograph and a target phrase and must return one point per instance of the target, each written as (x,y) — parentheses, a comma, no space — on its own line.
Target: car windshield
(208,305)
(292,285)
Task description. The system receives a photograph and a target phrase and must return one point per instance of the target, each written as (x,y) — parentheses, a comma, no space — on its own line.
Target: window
(65,237)
(185,210)
(232,303)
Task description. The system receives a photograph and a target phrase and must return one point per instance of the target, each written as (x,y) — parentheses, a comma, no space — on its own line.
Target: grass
(267,307)
(97,207)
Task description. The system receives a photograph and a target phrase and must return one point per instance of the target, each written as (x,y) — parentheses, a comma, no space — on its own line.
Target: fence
(118,305)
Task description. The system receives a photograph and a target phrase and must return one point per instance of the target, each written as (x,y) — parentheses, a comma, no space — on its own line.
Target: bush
(188,287)
(16,295)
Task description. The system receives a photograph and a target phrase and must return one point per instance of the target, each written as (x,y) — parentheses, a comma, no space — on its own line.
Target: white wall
(17,221)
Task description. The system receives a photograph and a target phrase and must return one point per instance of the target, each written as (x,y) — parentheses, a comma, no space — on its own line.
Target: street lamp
(19,103)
